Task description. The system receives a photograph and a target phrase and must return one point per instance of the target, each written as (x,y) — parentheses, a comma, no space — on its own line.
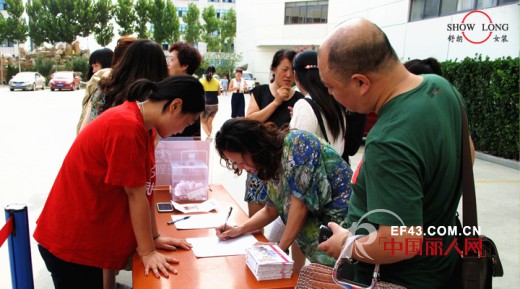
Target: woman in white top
(334,115)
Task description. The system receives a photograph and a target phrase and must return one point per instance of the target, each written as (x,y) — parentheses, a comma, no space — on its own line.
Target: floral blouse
(315,173)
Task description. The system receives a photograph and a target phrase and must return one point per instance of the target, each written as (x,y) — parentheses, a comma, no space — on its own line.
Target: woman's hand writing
(228,232)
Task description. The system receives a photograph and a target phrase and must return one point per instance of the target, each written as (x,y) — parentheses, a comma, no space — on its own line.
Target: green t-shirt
(411,170)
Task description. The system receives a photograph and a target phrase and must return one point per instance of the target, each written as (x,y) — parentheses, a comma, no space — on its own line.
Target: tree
(165,22)
(228,30)
(85,17)
(125,16)
(103,29)
(193,26)
(16,29)
(39,18)
(211,28)
(143,10)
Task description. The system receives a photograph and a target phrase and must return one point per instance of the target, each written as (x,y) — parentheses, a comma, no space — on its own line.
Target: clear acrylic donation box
(182,164)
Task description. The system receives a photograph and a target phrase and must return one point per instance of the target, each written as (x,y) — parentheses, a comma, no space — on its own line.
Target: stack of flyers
(269,262)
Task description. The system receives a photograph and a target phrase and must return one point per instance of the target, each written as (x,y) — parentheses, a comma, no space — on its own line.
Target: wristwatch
(346,251)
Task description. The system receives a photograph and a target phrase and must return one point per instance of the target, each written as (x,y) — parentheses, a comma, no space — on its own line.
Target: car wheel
(52,89)
(11,89)
(34,87)
(43,86)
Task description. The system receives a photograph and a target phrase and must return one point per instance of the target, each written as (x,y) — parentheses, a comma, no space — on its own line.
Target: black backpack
(354,134)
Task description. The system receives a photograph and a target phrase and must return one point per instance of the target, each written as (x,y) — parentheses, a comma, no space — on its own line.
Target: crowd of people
(293,141)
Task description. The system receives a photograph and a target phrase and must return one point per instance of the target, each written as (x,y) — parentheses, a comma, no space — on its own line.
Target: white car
(250,80)
(27,80)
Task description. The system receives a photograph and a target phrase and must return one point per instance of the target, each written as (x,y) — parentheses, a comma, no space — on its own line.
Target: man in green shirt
(409,181)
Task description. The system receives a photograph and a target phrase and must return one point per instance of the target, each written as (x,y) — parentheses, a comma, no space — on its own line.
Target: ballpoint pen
(181,219)
(227,218)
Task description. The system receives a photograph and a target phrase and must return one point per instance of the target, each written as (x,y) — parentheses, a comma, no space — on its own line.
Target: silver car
(27,80)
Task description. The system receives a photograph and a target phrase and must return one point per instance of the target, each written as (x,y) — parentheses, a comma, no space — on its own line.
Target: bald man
(410,172)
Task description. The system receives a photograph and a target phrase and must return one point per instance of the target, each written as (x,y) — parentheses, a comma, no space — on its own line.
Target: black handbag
(478,268)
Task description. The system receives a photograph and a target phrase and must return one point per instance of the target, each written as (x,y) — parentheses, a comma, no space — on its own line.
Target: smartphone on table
(163,207)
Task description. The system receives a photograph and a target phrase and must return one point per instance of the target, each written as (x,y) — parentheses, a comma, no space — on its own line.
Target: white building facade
(444,29)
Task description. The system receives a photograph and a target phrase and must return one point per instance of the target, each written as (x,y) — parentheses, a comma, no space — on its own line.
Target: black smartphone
(325,234)
(164,207)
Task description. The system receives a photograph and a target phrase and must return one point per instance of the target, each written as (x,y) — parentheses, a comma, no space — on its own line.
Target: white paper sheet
(200,221)
(212,246)
(196,207)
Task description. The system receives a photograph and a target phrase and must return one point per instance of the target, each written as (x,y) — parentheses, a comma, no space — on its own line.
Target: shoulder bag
(478,268)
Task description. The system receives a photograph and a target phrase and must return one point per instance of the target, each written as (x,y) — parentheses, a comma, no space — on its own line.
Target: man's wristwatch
(346,251)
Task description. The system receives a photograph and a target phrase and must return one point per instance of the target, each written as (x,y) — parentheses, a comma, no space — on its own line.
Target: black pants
(238,105)
(66,275)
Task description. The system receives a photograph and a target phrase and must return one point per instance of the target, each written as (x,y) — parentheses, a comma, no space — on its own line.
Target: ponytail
(140,90)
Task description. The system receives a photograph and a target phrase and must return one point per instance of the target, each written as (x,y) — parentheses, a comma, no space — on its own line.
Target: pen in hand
(227,218)
(181,219)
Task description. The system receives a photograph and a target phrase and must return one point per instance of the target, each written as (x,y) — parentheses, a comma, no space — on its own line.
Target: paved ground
(38,128)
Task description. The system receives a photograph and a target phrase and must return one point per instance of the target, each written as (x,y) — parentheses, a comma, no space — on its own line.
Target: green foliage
(143,10)
(166,24)
(103,30)
(228,30)
(80,64)
(125,16)
(211,29)
(85,17)
(193,26)
(15,28)
(44,66)
(38,24)
(224,63)
(490,89)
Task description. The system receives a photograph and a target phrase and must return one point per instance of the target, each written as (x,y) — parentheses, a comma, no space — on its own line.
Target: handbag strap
(469,202)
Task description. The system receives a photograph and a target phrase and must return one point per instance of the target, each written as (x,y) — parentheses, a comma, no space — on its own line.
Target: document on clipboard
(206,206)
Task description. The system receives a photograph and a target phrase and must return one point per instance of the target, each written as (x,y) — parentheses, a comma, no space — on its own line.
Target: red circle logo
(476,13)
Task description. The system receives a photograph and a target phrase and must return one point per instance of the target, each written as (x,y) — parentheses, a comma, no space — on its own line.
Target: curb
(499,161)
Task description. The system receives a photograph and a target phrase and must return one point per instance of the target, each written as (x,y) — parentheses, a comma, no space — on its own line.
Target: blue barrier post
(20,248)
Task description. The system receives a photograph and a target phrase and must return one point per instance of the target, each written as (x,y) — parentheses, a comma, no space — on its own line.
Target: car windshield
(62,75)
(25,74)
(247,76)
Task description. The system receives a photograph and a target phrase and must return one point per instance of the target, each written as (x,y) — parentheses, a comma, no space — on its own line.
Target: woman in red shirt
(98,212)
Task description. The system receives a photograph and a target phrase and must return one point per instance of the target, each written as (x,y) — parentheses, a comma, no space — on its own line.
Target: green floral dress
(315,173)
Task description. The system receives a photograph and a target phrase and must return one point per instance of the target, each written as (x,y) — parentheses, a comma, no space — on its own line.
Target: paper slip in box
(268,262)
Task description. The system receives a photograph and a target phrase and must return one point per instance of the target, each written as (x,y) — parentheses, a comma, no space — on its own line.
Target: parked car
(27,80)
(65,80)
(250,80)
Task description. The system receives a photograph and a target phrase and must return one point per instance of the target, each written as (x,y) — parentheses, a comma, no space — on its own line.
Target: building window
(307,12)
(182,11)
(213,0)
(6,43)
(183,27)
(424,9)
(3,5)
(228,1)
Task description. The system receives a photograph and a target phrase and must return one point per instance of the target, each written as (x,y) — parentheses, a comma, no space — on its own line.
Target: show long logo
(477,27)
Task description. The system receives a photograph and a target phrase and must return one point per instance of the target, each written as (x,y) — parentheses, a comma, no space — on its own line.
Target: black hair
(143,59)
(429,65)
(102,56)
(187,54)
(306,69)
(279,56)
(185,87)
(264,141)
(209,72)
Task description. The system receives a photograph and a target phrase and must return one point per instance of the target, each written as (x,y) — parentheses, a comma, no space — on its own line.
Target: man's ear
(362,82)
(185,68)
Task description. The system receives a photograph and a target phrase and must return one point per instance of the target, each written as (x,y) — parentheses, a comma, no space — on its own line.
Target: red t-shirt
(86,218)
